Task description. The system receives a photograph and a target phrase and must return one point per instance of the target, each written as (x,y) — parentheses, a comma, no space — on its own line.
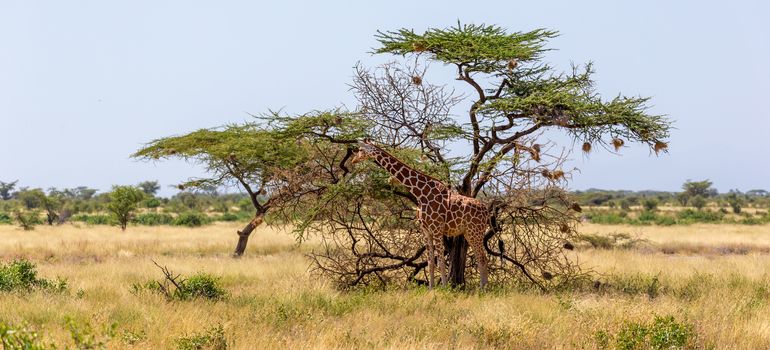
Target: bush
(650,204)
(21,275)
(648,216)
(625,204)
(152,203)
(175,287)
(153,219)
(663,333)
(213,338)
(191,219)
(21,337)
(698,202)
(5,219)
(692,216)
(609,218)
(227,217)
(85,337)
(27,220)
(94,219)
(612,241)
(201,285)
(663,220)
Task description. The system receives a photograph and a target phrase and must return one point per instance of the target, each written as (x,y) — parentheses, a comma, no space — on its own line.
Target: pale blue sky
(83,84)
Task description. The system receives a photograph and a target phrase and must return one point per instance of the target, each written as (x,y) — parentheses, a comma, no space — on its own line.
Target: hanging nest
(180,187)
(576,207)
(535,154)
(512,64)
(564,228)
(417,80)
(561,120)
(586,147)
(660,146)
(546,174)
(557,174)
(418,46)
(617,143)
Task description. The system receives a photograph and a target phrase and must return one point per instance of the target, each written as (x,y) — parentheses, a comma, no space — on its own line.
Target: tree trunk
(458,253)
(243,235)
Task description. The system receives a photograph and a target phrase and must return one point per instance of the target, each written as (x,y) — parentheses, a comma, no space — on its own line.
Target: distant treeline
(28,207)
(696,194)
(138,205)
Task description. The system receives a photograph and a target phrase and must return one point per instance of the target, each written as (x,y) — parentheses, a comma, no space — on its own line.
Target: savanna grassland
(705,286)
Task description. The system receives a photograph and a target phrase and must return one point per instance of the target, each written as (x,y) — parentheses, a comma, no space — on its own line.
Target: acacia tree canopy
(524,95)
(243,154)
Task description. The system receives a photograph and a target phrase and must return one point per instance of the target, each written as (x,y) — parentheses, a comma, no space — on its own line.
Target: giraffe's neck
(420,185)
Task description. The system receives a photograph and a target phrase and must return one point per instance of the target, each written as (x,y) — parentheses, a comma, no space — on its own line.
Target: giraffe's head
(366,150)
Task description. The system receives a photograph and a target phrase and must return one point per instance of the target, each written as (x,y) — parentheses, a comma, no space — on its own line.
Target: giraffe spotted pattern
(441,211)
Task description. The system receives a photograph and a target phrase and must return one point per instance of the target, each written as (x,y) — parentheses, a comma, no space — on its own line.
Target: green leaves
(571,102)
(123,202)
(335,125)
(482,48)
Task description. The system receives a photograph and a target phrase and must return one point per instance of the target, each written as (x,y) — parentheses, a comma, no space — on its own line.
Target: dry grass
(275,303)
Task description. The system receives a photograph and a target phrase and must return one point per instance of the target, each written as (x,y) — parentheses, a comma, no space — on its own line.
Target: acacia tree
(6,189)
(248,156)
(515,98)
(365,222)
(124,201)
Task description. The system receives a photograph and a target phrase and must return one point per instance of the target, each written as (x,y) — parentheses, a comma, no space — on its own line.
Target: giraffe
(441,211)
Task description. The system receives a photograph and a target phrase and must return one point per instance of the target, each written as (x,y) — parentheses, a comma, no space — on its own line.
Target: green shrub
(191,219)
(5,219)
(176,287)
(704,216)
(612,241)
(85,337)
(132,338)
(213,338)
(21,275)
(153,219)
(650,204)
(664,220)
(609,218)
(227,217)
(94,219)
(28,219)
(664,332)
(754,221)
(648,216)
(152,203)
(200,285)
(632,336)
(636,284)
(698,202)
(667,333)
(21,337)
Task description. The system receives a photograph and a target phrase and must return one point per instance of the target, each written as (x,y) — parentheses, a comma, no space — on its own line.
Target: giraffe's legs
(438,247)
(431,260)
(477,244)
